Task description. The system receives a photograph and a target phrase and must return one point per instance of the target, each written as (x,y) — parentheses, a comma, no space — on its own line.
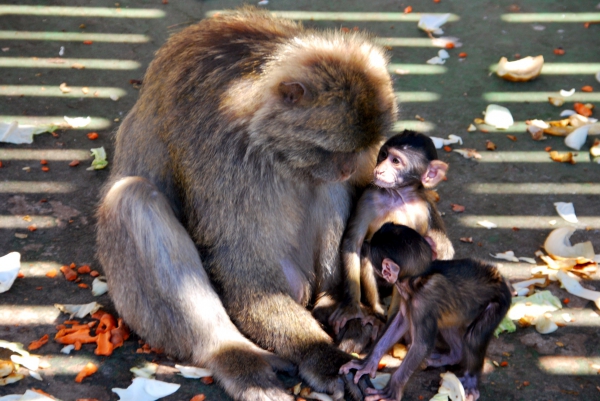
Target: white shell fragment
(35,375)
(565,93)
(193,372)
(9,269)
(80,311)
(432,23)
(569,281)
(527,283)
(558,245)
(142,389)
(566,211)
(544,325)
(556,101)
(508,255)
(99,286)
(487,224)
(67,349)
(576,139)
(443,54)
(472,128)
(468,153)
(19,134)
(528,260)
(436,61)
(30,362)
(313,395)
(450,387)
(381,380)
(521,70)
(440,142)
(539,123)
(78,122)
(567,113)
(498,116)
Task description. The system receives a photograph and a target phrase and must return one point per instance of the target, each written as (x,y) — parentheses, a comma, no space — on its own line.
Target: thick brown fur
(233,180)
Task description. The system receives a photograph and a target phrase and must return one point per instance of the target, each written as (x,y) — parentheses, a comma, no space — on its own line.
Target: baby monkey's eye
(395,160)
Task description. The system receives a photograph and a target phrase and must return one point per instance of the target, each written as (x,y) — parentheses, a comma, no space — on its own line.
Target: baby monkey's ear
(436,171)
(389,270)
(292,92)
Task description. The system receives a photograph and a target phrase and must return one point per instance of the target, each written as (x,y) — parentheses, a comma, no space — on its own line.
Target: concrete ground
(514,186)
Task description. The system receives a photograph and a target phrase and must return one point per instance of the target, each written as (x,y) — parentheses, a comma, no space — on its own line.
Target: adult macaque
(464,300)
(407,166)
(233,180)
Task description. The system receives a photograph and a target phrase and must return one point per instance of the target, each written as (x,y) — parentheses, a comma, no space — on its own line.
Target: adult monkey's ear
(292,92)
(436,171)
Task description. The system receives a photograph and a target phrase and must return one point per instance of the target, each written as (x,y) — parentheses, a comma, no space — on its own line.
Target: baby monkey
(407,166)
(464,300)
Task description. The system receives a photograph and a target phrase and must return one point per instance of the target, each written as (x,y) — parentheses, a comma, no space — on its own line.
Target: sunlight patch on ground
(409,97)
(535,188)
(65,11)
(569,365)
(527,157)
(9,221)
(93,92)
(36,187)
(87,63)
(46,154)
(539,97)
(527,222)
(413,125)
(96,123)
(551,17)
(564,68)
(416,69)
(74,36)
(344,16)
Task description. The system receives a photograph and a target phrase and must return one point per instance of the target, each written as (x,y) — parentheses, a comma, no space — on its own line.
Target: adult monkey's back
(242,152)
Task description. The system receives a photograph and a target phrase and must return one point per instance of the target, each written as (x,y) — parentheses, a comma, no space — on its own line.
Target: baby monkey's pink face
(391,165)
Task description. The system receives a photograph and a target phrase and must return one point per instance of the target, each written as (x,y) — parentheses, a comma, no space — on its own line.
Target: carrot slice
(88,370)
(105,347)
(38,343)
(84,269)
(119,334)
(83,336)
(107,323)
(69,273)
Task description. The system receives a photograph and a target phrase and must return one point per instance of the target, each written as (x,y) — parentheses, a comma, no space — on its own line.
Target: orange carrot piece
(107,323)
(38,343)
(71,321)
(84,269)
(52,273)
(69,273)
(119,334)
(83,336)
(88,370)
(105,347)
(77,345)
(94,273)
(42,392)
(83,285)
(198,397)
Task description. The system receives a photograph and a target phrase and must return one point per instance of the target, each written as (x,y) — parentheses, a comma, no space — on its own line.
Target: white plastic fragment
(79,310)
(566,211)
(498,116)
(99,161)
(451,387)
(67,349)
(527,283)
(508,255)
(29,395)
(436,61)
(148,370)
(443,54)
(114,97)
(61,52)
(99,286)
(142,389)
(381,380)
(540,124)
(9,269)
(440,142)
(576,139)
(30,362)
(18,134)
(545,325)
(78,122)
(193,372)
(487,224)
(432,23)
(557,244)
(569,281)
(472,128)
(566,93)
(528,260)
(567,113)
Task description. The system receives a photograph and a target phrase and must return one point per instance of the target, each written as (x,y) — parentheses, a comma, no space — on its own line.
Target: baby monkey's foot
(469,382)
(362,368)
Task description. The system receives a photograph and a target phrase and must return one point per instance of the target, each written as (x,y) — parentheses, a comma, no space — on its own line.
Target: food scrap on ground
(9,269)
(142,389)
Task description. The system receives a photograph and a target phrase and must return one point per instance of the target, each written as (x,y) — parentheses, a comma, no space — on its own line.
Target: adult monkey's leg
(160,288)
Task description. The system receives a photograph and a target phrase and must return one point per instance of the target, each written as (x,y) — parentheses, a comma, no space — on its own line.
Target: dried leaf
(489,145)
(457,208)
